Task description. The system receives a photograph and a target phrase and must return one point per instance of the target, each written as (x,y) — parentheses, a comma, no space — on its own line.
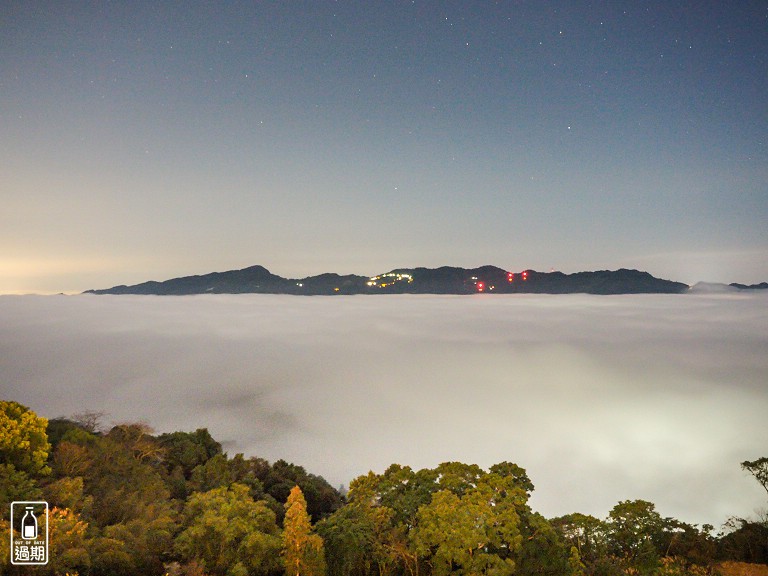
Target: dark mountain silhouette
(444,280)
(761,286)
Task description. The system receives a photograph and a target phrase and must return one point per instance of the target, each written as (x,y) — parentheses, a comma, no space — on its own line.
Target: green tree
(744,541)
(229,533)
(391,502)
(124,485)
(408,515)
(688,543)
(399,489)
(115,484)
(575,565)
(68,493)
(635,528)
(517,473)
(477,533)
(185,452)
(759,469)
(147,538)
(111,556)
(322,498)
(245,471)
(586,533)
(542,552)
(213,474)
(458,477)
(189,449)
(15,485)
(23,440)
(59,429)
(350,541)
(303,550)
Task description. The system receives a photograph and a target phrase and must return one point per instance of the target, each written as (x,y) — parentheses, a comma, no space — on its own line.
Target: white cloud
(601,398)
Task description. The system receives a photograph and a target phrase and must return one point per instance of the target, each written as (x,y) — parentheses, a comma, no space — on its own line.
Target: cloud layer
(601,398)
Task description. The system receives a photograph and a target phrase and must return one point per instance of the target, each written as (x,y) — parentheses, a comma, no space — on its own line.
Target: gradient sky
(147,140)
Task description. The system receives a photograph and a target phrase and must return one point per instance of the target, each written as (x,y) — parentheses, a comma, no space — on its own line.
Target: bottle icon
(29,525)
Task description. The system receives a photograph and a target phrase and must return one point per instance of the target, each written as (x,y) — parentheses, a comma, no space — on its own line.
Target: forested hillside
(126,501)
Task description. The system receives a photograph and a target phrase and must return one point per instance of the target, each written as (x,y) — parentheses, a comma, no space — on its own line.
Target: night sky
(147,140)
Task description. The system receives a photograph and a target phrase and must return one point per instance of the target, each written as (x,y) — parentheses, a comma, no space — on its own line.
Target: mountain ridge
(442,280)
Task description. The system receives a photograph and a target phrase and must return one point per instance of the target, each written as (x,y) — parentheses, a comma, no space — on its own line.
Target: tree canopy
(759,469)
(125,501)
(23,439)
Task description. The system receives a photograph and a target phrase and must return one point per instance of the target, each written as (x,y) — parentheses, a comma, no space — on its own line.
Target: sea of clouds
(600,398)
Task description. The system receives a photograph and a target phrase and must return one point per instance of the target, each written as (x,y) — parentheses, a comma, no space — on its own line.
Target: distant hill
(761,286)
(444,280)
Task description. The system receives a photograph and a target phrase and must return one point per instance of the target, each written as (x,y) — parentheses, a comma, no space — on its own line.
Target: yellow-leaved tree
(23,453)
(23,441)
(302,549)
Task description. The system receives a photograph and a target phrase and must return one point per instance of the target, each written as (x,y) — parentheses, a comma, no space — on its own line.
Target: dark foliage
(126,501)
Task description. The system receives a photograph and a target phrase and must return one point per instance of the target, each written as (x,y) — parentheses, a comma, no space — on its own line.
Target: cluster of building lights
(482,286)
(511,276)
(384,280)
(390,278)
